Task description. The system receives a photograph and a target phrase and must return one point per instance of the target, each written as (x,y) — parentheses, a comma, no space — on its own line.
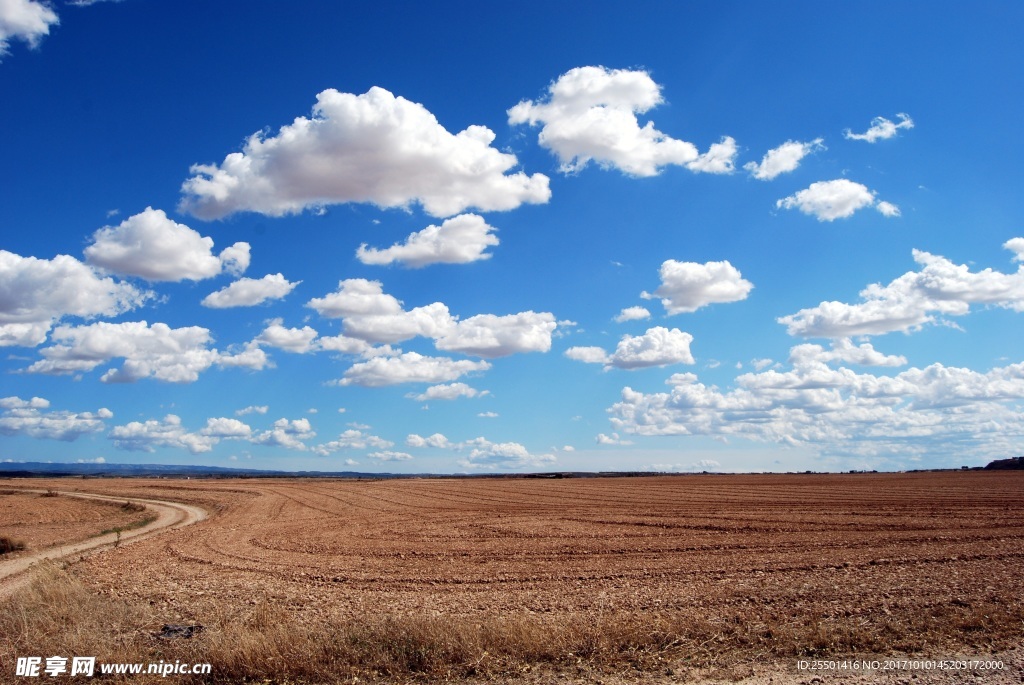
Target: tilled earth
(842,550)
(40,521)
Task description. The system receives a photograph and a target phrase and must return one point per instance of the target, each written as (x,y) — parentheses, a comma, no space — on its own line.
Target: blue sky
(457,237)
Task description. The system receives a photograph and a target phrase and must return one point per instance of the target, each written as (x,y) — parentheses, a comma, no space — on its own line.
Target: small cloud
(632,314)
(881,129)
(488,415)
(612,439)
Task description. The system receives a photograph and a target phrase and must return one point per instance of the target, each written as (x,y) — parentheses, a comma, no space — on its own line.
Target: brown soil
(41,521)
(767,568)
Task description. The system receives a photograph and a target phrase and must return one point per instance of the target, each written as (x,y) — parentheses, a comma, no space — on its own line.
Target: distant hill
(1014,463)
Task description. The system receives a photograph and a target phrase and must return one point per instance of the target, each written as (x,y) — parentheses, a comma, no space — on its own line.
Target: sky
(466,237)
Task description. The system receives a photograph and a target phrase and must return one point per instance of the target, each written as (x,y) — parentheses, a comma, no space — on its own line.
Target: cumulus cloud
(297,340)
(487,335)
(783,159)
(459,240)
(881,129)
(940,288)
(688,286)
(36,293)
(176,355)
(590,115)
(30,418)
(949,411)
(226,428)
(657,347)
(448,391)
(410,367)
(154,247)
(253,409)
(388,455)
(25,20)
(374,148)
(352,439)
(843,350)
(289,434)
(436,440)
(838,199)
(632,314)
(887,209)
(248,292)
(486,454)
(588,354)
(612,439)
(370,314)
(146,436)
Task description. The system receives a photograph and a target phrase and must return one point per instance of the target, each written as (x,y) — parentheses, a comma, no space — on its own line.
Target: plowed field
(848,543)
(41,521)
(777,565)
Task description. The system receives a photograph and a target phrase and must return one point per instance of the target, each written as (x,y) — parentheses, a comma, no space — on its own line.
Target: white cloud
(657,347)
(370,314)
(487,415)
(352,439)
(887,209)
(701,465)
(356,297)
(254,409)
(346,345)
(146,436)
(436,440)
(632,314)
(409,367)
(881,128)
(688,286)
(388,455)
(950,412)
(226,428)
(297,340)
(27,417)
(843,350)
(719,159)
(154,247)
(177,355)
(590,114)
(588,355)
(487,335)
(783,159)
(374,148)
(940,288)
(1015,245)
(25,20)
(838,199)
(449,391)
(459,240)
(248,292)
(287,434)
(612,439)
(36,293)
(486,454)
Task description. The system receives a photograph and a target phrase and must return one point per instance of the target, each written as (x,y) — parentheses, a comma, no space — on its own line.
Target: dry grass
(57,614)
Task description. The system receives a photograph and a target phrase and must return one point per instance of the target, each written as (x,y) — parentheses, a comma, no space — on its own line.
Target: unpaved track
(169,515)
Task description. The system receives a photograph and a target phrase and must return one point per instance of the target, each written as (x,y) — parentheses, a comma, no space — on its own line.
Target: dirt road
(169,515)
